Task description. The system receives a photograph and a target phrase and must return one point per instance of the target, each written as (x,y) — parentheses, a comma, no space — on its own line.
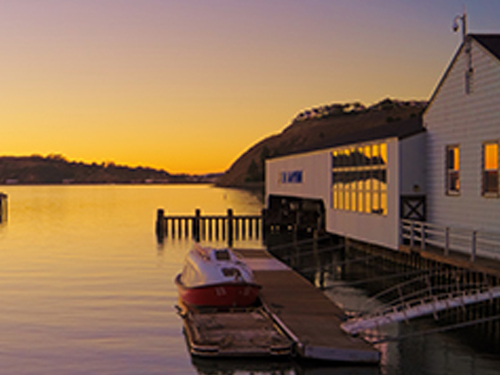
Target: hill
(55,169)
(318,128)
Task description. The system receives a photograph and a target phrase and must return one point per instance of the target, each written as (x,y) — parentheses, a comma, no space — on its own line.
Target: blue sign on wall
(291,177)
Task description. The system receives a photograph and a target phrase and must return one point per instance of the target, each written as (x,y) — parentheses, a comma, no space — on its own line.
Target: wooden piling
(230,230)
(196,225)
(3,207)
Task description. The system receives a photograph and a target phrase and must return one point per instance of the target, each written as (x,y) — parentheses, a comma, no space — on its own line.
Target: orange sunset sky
(187,86)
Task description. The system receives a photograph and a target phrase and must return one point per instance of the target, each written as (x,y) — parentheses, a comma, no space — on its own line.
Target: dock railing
(199,227)
(465,240)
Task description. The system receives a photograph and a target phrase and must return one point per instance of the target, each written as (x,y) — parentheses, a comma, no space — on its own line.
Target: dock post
(210,229)
(250,228)
(230,227)
(217,229)
(160,222)
(196,225)
(172,227)
(243,228)
(3,207)
(263,225)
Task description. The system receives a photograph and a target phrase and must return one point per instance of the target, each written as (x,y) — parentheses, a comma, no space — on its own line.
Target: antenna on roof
(463,19)
(467,44)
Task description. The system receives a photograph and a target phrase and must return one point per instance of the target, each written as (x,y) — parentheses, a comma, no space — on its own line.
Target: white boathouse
(463,132)
(441,170)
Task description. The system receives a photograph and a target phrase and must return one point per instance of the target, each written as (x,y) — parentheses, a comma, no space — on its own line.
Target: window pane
(375,155)
(383,153)
(368,202)
(491,156)
(453,169)
(454,182)
(383,203)
(353,200)
(367,181)
(491,181)
(375,202)
(456,166)
(367,155)
(347,199)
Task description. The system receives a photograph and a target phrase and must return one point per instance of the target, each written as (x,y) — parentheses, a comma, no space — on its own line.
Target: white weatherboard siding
(316,176)
(466,120)
(412,164)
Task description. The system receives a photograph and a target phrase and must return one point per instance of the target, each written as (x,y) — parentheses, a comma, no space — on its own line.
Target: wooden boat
(217,278)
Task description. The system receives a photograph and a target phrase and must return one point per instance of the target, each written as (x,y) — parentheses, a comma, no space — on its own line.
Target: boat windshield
(222,255)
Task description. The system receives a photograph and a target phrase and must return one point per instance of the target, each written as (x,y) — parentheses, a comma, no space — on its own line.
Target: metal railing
(465,240)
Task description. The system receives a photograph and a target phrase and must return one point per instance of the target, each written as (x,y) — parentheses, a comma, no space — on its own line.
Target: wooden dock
(305,313)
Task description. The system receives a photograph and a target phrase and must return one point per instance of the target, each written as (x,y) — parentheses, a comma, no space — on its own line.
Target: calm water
(85,289)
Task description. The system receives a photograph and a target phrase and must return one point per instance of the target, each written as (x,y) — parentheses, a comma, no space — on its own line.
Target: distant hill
(55,169)
(314,129)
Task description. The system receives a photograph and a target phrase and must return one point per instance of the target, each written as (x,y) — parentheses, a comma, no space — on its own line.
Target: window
(490,169)
(453,170)
(359,179)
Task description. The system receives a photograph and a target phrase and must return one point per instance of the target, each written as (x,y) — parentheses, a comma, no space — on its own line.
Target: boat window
(231,272)
(222,255)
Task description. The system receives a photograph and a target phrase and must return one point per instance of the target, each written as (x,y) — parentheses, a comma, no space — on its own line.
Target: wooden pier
(227,227)
(305,313)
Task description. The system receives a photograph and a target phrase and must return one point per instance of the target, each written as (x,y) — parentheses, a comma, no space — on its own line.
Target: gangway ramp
(407,310)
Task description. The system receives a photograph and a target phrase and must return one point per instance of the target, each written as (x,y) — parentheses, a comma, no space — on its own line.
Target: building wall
(381,230)
(454,117)
(316,183)
(316,177)
(412,166)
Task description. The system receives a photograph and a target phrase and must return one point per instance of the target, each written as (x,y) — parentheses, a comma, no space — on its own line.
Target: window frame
(449,171)
(353,183)
(484,193)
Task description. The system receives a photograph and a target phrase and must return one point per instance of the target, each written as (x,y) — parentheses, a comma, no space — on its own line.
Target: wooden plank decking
(305,313)
(234,333)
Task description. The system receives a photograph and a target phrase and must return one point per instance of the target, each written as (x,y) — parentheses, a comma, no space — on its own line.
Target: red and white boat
(217,278)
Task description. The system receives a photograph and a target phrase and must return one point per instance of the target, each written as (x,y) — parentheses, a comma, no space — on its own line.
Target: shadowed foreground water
(85,289)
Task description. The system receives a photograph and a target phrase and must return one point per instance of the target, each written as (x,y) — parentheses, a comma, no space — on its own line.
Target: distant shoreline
(108,183)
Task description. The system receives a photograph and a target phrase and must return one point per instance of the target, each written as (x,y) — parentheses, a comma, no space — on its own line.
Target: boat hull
(218,295)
